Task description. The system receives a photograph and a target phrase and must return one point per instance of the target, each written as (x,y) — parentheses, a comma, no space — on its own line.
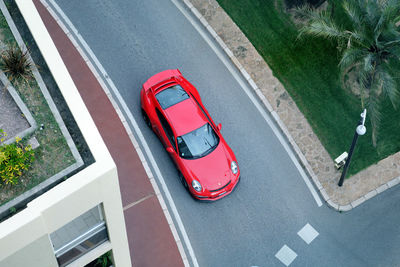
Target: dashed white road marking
(308,233)
(286,255)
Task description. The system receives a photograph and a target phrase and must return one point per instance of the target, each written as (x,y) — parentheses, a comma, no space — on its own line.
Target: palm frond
(391,9)
(394,43)
(393,54)
(391,32)
(374,112)
(365,79)
(373,12)
(360,39)
(369,61)
(323,28)
(351,57)
(373,107)
(305,12)
(379,27)
(353,11)
(389,86)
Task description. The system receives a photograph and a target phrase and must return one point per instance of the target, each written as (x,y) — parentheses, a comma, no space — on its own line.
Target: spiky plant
(17,65)
(369,46)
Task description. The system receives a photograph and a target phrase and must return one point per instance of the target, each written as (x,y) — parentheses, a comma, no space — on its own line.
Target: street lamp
(360,130)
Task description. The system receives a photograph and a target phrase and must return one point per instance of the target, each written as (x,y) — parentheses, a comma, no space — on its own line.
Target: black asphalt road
(135,39)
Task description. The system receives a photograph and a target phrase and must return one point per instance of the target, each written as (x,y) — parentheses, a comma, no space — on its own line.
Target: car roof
(171,96)
(185,116)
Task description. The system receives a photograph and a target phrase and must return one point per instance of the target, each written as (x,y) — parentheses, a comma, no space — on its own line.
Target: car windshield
(171,96)
(198,143)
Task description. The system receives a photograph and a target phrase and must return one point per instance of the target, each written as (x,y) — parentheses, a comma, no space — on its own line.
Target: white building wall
(25,232)
(37,253)
(96,184)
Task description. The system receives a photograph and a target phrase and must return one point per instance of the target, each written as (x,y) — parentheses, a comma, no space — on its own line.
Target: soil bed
(12,120)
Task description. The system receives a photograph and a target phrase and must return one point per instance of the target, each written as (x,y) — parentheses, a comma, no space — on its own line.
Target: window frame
(84,242)
(167,129)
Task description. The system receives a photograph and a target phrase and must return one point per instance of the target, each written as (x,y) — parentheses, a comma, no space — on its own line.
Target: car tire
(183,181)
(146,119)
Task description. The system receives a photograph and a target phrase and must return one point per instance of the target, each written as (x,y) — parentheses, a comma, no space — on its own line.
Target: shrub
(15,158)
(16,64)
(104,260)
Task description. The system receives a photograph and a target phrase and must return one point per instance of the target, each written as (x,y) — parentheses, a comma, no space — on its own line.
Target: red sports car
(172,107)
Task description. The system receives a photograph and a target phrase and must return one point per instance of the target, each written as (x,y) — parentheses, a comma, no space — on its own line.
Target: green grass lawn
(308,69)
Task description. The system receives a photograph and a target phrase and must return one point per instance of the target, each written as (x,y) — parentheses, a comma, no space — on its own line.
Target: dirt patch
(12,120)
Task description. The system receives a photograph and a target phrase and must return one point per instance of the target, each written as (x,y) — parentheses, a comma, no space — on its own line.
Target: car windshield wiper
(211,148)
(206,141)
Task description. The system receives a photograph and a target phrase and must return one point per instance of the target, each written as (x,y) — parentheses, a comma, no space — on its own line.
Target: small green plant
(15,158)
(17,65)
(104,260)
(13,210)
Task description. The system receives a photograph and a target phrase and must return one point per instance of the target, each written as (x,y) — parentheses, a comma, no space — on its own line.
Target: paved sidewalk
(151,241)
(312,155)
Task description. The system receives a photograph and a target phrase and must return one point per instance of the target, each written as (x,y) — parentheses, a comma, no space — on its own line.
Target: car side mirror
(219,126)
(170,150)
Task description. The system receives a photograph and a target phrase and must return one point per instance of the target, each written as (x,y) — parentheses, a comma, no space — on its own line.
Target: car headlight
(196,186)
(234,167)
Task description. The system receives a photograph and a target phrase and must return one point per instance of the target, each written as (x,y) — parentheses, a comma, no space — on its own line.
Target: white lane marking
(130,205)
(308,233)
(245,87)
(136,129)
(286,255)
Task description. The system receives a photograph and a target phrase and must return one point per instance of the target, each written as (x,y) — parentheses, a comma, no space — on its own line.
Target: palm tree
(370,47)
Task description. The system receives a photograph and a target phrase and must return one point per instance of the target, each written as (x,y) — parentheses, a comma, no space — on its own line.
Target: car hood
(212,171)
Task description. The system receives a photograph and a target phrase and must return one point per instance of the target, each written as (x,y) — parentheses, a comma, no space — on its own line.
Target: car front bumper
(219,194)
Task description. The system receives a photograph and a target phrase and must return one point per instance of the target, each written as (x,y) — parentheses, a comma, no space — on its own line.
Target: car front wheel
(183,181)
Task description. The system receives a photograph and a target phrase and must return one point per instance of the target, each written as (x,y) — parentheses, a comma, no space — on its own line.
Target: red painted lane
(150,239)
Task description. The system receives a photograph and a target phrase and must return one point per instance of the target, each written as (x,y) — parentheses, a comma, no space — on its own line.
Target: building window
(79,236)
